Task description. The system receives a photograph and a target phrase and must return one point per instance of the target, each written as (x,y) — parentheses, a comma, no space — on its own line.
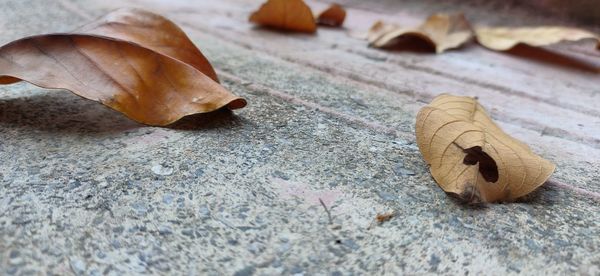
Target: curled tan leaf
(288,15)
(502,39)
(378,29)
(133,74)
(333,16)
(440,31)
(470,156)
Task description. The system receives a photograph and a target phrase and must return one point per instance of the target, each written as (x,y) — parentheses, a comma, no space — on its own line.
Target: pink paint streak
(295,100)
(561,185)
(289,189)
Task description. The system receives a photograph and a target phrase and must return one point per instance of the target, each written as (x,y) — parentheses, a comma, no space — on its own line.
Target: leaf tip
(237,103)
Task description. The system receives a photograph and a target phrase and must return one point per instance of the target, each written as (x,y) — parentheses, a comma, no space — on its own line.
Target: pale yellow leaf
(379,29)
(470,156)
(441,31)
(501,39)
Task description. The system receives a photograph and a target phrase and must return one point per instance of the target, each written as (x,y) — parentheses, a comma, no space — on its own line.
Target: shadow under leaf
(459,201)
(545,195)
(410,43)
(221,118)
(276,30)
(59,111)
(553,58)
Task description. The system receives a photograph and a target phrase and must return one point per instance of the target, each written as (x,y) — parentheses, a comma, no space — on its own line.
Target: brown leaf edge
(145,94)
(333,16)
(288,15)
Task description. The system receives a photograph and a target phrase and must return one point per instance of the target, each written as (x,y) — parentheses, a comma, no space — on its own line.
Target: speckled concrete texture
(86,191)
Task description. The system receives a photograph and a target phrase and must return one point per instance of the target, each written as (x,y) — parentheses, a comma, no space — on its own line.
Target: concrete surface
(86,191)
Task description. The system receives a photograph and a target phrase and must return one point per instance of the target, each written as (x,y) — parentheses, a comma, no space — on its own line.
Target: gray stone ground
(86,191)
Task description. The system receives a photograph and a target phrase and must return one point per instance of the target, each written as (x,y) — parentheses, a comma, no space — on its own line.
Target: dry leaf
(289,15)
(441,31)
(380,218)
(129,61)
(333,16)
(153,32)
(501,39)
(470,156)
(379,29)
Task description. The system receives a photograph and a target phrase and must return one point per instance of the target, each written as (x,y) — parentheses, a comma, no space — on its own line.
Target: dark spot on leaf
(487,166)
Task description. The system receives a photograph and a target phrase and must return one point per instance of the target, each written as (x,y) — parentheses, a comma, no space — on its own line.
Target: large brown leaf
(502,39)
(129,70)
(288,15)
(152,31)
(441,31)
(470,156)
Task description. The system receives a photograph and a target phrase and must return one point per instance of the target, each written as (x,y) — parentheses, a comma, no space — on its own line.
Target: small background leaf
(441,31)
(289,15)
(333,16)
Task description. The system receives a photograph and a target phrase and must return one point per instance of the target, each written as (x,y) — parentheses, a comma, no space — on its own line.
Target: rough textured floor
(84,190)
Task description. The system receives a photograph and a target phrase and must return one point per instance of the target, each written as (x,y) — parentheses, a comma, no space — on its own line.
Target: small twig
(326,210)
